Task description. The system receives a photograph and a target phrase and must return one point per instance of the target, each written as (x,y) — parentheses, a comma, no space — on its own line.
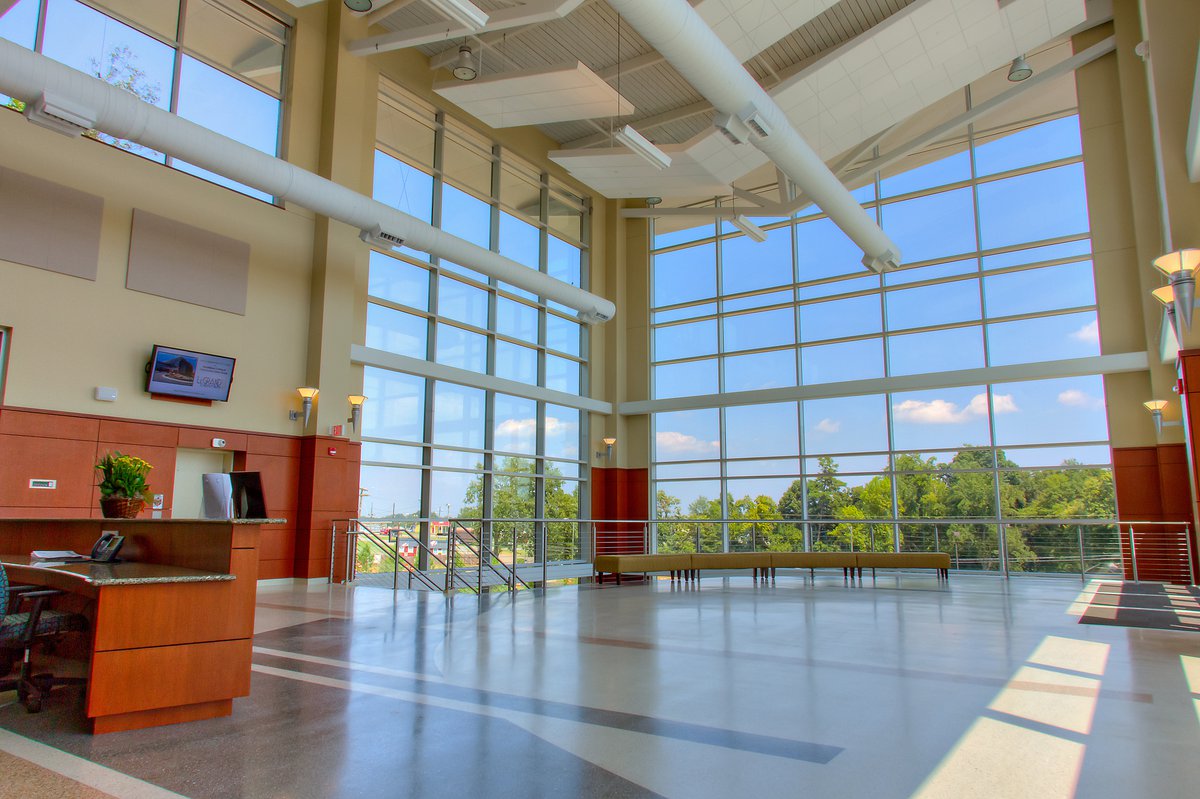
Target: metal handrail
(413,571)
(510,580)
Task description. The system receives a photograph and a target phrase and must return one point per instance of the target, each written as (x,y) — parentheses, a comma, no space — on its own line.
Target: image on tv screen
(183,373)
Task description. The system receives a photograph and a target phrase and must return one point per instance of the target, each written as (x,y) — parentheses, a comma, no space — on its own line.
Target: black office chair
(20,632)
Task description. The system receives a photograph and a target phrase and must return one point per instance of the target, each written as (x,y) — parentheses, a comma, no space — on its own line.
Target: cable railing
(481,554)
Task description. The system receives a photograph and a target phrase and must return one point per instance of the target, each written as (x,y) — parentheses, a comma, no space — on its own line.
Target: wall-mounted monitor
(193,375)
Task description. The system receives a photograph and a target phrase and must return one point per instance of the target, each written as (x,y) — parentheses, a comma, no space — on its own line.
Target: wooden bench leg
(618,578)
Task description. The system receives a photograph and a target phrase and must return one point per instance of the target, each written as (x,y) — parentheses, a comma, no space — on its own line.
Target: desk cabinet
(172,627)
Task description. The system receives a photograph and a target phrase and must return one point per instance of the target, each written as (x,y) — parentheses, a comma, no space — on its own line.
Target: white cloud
(670,442)
(1088,334)
(828,426)
(525,427)
(940,411)
(1074,398)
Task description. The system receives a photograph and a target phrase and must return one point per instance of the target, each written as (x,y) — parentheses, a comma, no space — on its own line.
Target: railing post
(450,537)
(395,562)
(1187,537)
(937,541)
(479,560)
(1082,559)
(1133,554)
(697,536)
(513,581)
(1003,549)
(545,556)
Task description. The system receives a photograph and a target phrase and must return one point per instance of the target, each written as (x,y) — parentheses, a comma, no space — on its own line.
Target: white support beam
(531,13)
(1193,139)
(750,197)
(1070,367)
(384,9)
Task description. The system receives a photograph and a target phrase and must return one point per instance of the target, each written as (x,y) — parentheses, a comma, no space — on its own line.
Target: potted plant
(123,488)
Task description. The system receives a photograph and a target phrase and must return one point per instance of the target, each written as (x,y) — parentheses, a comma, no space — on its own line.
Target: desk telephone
(106,547)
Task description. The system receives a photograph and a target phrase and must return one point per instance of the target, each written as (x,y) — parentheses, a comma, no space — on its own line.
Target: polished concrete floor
(897,687)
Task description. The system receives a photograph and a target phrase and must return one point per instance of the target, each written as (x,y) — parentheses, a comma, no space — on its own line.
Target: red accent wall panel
(621,495)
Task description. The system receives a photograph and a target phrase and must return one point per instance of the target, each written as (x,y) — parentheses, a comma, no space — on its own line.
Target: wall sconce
(1166,296)
(1156,410)
(356,402)
(1180,269)
(607,452)
(307,394)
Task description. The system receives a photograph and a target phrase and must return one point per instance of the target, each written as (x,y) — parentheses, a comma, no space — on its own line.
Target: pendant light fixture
(1019,70)
(464,66)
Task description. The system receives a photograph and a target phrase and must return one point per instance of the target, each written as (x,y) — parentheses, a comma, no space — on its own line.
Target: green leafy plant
(123,476)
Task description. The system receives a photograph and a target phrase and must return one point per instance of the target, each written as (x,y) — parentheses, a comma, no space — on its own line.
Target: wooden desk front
(172,627)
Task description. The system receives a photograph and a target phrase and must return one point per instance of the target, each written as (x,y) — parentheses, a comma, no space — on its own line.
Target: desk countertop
(103,574)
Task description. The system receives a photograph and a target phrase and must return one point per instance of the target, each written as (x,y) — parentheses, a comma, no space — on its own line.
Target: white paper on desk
(56,554)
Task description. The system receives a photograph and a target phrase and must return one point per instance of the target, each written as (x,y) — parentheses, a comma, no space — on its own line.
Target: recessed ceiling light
(360,6)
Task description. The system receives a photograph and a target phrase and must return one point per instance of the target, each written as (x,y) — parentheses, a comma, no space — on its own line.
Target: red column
(621,496)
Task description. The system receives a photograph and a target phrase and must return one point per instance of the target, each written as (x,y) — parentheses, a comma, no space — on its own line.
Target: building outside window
(998,272)
(218,63)
(498,432)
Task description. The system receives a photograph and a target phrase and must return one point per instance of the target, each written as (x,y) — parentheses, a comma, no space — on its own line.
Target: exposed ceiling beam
(631,65)
(531,13)
(750,197)
(1058,70)
(384,9)
(1193,139)
(5,5)
(665,118)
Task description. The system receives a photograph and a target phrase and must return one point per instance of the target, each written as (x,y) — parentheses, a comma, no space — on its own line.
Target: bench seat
(939,561)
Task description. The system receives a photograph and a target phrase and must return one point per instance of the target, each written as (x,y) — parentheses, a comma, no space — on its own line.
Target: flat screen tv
(194,375)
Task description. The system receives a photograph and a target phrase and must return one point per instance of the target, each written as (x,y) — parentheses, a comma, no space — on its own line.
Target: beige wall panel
(109,330)
(173,259)
(49,226)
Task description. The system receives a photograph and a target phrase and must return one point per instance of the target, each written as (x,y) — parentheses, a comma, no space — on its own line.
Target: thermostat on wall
(38,482)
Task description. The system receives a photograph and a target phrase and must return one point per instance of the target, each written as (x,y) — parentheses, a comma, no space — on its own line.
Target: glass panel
(852,285)
(691,499)
(562,432)
(520,241)
(562,374)
(566,213)
(563,261)
(668,471)
(404,187)
(687,435)
(823,250)
(1047,289)
(1044,411)
(1027,208)
(1045,339)
(19,23)
(950,169)
(757,301)
(453,495)
(679,314)
(453,459)
(521,189)
(845,424)
(907,275)
(932,227)
(1059,456)
(849,360)
(516,424)
(467,161)
(767,467)
(516,319)
(398,281)
(389,493)
(685,275)
(938,304)
(98,45)
(238,37)
(562,334)
(406,130)
(391,453)
(760,370)
(759,330)
(462,302)
(1033,255)
(685,379)
(397,406)
(461,348)
(1037,144)
(944,418)
(951,493)
(396,331)
(747,265)
(755,431)
(848,464)
(936,351)
(685,341)
(458,415)
(466,217)
(514,362)
(853,316)
(669,231)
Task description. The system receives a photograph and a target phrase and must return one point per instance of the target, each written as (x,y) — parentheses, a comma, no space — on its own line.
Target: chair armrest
(38,598)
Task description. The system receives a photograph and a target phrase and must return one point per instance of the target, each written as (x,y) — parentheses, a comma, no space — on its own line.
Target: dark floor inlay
(684,731)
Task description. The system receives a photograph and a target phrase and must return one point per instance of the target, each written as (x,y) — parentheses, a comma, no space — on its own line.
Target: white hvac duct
(64,97)
(680,35)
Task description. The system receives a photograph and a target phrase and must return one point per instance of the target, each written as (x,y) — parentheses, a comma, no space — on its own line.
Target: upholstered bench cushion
(813,560)
(903,560)
(625,564)
(731,560)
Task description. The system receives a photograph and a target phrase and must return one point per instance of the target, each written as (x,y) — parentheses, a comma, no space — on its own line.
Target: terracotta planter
(121,507)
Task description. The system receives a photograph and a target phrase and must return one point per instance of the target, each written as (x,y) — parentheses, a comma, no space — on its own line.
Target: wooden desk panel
(162,653)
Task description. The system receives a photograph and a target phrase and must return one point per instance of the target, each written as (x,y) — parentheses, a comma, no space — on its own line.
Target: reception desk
(171,624)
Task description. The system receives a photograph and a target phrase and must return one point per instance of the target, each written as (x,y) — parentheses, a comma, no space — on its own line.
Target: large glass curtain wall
(218,63)
(998,272)
(436,449)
